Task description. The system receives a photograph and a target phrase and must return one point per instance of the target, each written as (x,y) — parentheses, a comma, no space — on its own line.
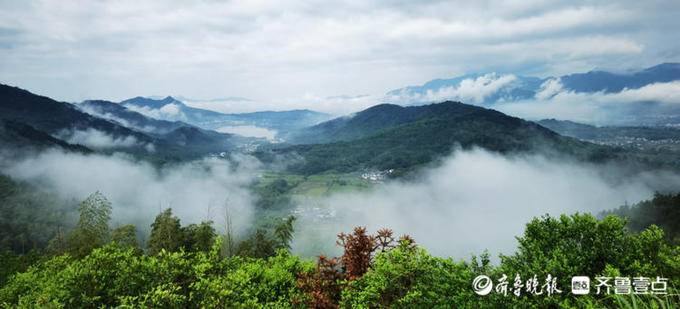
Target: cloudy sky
(280,51)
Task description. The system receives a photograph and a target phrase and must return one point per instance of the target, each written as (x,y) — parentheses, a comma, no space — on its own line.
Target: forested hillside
(94,264)
(402,138)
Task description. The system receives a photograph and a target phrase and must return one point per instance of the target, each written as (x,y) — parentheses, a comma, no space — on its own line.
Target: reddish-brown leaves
(324,285)
(357,254)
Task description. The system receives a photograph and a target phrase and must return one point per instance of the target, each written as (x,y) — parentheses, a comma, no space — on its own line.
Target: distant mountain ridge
(610,133)
(20,136)
(172,109)
(518,87)
(50,116)
(604,81)
(26,114)
(401,138)
(119,113)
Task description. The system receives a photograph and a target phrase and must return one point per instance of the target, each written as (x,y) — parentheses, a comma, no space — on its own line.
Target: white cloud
(249,131)
(196,191)
(114,118)
(471,90)
(273,51)
(599,108)
(475,200)
(172,112)
(335,105)
(97,139)
(549,89)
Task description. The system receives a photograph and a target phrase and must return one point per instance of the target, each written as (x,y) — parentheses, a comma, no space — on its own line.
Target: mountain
(19,136)
(58,118)
(394,137)
(46,121)
(172,109)
(595,81)
(570,128)
(118,113)
(494,88)
(633,135)
(504,87)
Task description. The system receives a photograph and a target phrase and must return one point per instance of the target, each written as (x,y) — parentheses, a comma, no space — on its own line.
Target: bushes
(375,271)
(580,245)
(113,276)
(408,277)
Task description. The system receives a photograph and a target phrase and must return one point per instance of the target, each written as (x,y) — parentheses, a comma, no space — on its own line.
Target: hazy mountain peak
(152,103)
(491,88)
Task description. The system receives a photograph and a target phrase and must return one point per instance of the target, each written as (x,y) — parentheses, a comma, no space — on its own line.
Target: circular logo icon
(482,285)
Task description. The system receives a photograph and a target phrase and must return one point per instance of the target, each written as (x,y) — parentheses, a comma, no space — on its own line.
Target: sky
(327,54)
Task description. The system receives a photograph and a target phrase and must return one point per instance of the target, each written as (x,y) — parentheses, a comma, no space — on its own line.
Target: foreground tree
(266,242)
(166,233)
(125,236)
(199,237)
(92,230)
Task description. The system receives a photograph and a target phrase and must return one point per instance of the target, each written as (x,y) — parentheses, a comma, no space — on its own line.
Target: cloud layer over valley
(196,191)
(475,200)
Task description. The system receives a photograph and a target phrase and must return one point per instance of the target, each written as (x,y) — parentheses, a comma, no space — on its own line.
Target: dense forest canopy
(93,264)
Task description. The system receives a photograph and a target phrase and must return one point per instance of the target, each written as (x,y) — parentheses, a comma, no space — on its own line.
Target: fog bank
(475,200)
(195,191)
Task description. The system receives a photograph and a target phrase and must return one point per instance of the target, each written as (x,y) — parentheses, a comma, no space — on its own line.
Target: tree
(228,248)
(199,237)
(58,245)
(284,232)
(125,236)
(92,230)
(166,233)
(265,242)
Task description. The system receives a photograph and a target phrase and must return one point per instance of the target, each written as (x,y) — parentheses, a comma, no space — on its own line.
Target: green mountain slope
(63,121)
(120,114)
(19,136)
(401,138)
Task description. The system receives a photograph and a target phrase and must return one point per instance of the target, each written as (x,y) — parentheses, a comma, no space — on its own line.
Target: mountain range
(172,109)
(393,137)
(510,87)
(32,120)
(382,137)
(385,136)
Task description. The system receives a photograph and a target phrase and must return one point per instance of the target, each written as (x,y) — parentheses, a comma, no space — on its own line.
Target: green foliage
(408,277)
(253,283)
(274,194)
(29,216)
(646,302)
(266,242)
(582,245)
(92,230)
(125,236)
(114,276)
(404,276)
(284,232)
(13,263)
(199,237)
(662,210)
(403,138)
(166,233)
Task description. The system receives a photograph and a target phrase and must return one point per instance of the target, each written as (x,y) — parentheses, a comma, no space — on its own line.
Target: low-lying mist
(475,200)
(195,191)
